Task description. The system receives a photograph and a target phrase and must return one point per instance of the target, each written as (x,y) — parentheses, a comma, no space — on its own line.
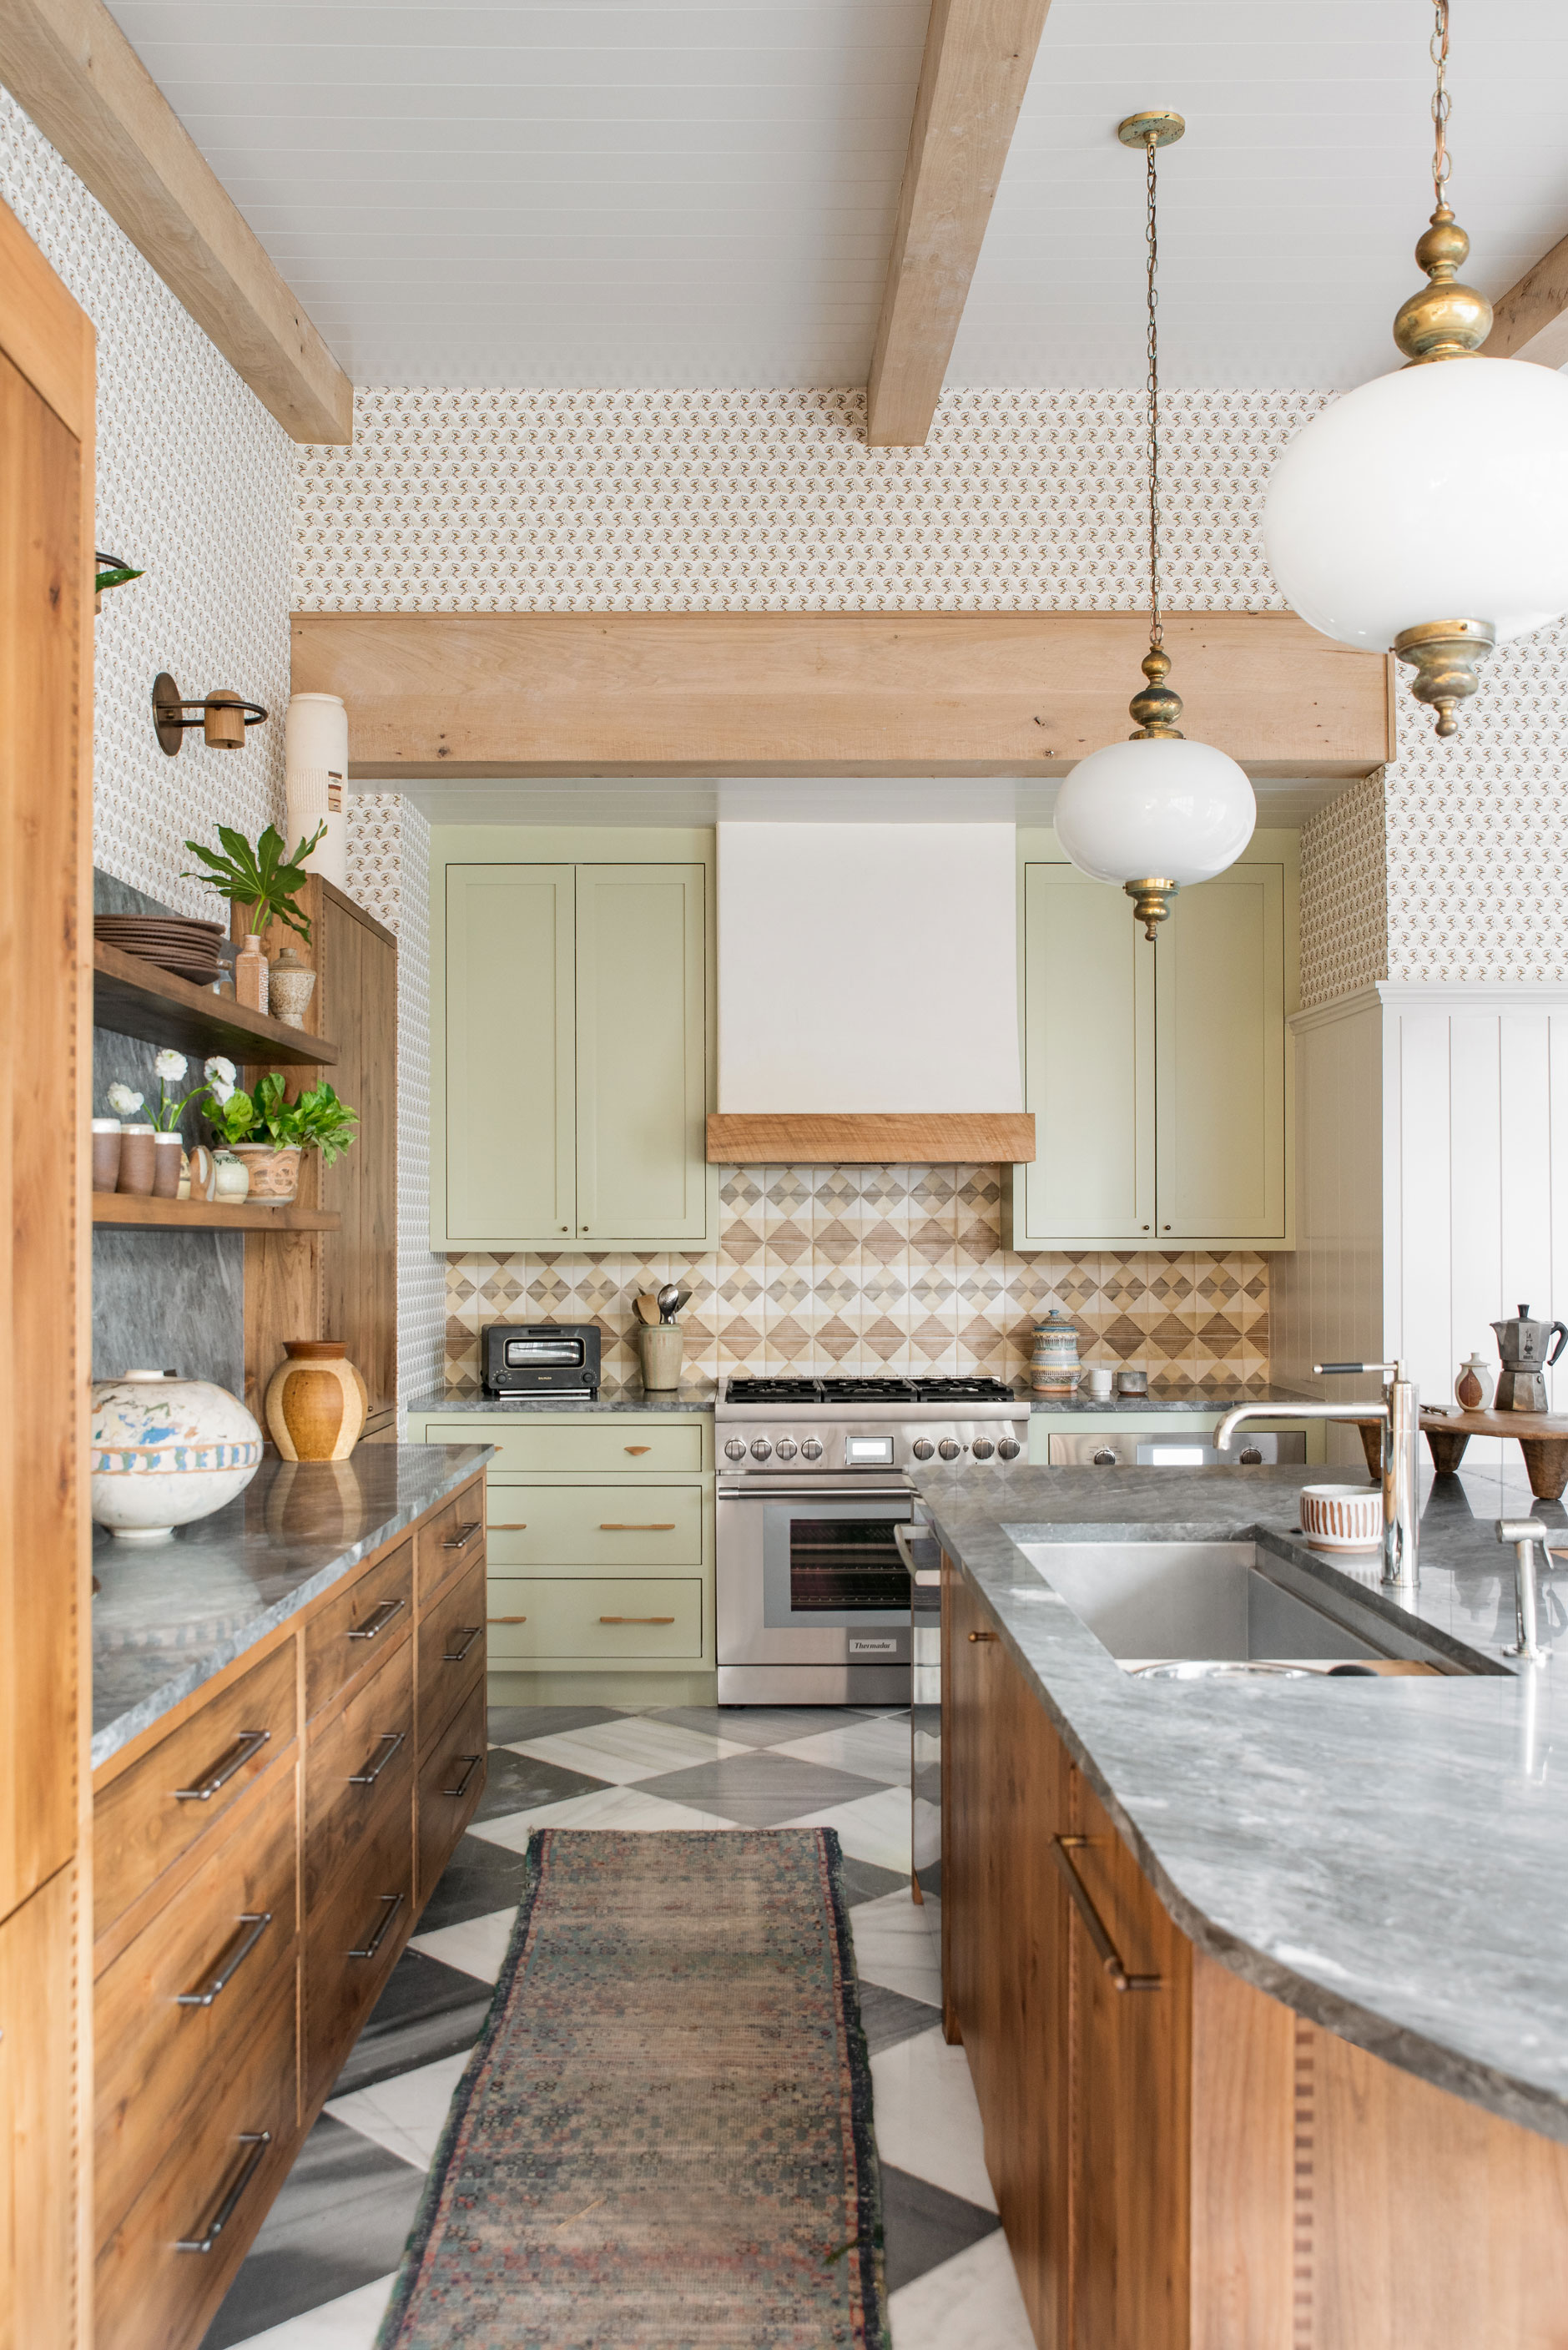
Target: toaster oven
(543,1359)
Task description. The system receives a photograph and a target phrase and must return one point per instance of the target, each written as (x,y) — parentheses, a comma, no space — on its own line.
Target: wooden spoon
(646,1310)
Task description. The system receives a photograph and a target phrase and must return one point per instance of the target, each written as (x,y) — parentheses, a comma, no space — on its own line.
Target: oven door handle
(818,1493)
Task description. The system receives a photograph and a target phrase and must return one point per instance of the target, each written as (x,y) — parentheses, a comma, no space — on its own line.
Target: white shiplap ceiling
(621,193)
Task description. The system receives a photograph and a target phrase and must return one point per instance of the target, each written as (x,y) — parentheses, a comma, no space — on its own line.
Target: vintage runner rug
(663,2138)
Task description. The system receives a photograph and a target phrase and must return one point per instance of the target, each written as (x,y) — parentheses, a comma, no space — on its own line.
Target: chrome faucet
(1524,1534)
(1400,1412)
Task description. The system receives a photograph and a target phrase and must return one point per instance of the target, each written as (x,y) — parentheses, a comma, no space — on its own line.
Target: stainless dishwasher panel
(1145,1448)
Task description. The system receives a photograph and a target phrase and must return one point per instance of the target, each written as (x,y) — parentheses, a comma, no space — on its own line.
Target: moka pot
(1523,1345)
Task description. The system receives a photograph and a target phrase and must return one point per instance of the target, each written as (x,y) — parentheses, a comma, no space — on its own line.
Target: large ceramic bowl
(165,1451)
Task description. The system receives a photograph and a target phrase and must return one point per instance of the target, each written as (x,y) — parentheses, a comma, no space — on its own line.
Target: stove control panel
(865,1445)
(812,1449)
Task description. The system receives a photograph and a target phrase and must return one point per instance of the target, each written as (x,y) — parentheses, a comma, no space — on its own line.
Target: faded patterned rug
(663,2138)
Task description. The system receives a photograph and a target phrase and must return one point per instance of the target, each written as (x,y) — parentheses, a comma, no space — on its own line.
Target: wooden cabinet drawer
(155,1810)
(452,1647)
(359,1766)
(150,2294)
(352,1939)
(173,2006)
(593,1616)
(354,1631)
(452,1780)
(449,1537)
(536,1528)
(607,1444)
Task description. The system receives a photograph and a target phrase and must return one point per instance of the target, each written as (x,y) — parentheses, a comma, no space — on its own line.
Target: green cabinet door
(642,1067)
(1220,1087)
(506,1110)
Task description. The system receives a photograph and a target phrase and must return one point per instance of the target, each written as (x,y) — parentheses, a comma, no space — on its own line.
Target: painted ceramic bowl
(165,1451)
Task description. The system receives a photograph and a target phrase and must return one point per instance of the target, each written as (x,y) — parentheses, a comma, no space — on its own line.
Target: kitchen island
(1337,2113)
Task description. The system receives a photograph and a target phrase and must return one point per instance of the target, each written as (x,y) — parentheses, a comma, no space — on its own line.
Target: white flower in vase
(170,1066)
(123,1102)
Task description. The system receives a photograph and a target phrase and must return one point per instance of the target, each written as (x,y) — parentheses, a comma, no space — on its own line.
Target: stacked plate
(188,948)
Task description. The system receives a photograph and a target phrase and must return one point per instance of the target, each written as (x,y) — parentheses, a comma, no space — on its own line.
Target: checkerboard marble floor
(320,2272)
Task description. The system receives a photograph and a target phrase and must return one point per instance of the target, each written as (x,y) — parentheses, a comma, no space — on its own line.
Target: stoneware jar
(290,987)
(167,1157)
(137,1167)
(315,1401)
(1473,1388)
(1054,1366)
(251,976)
(275,1174)
(660,1346)
(105,1154)
(166,1450)
(230,1179)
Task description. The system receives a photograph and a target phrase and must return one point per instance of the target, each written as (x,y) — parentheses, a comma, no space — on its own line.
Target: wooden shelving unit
(134,998)
(216,1215)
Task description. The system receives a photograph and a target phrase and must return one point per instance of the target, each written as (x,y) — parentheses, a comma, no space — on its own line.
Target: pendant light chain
(1157,629)
(1441,103)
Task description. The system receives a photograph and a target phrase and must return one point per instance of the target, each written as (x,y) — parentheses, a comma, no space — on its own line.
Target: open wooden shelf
(134,998)
(195,1215)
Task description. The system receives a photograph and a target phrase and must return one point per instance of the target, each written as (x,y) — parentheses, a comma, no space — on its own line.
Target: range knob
(1250,1458)
(786,1448)
(736,1448)
(1009,1449)
(1104,1458)
(949,1448)
(982,1448)
(761,1448)
(811,1450)
(922,1447)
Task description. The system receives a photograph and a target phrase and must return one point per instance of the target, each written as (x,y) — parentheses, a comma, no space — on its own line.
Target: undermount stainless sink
(1225,1604)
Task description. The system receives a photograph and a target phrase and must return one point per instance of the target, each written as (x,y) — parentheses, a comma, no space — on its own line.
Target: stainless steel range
(814,1475)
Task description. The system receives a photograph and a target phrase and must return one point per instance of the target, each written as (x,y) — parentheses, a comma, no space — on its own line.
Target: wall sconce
(223,717)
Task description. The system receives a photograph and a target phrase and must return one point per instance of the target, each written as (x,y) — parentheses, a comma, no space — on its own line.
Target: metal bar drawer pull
(258,2142)
(231,1960)
(249,1743)
(389,1741)
(1061,1850)
(377,1620)
(637,1619)
(467,1634)
(391,1904)
(609,1527)
(473,1762)
(460,1536)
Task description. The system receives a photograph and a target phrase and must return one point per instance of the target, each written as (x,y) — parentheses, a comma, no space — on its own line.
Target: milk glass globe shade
(1440,492)
(1156,808)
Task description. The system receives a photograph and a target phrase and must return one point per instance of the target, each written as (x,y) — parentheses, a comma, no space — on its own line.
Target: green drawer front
(603,1446)
(592,1618)
(537,1528)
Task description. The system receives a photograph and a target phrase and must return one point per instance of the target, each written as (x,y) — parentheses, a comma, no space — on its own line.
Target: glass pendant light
(1156,812)
(1427,512)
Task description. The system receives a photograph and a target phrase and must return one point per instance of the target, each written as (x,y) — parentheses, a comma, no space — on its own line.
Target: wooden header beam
(69,63)
(1530,321)
(972,79)
(825,694)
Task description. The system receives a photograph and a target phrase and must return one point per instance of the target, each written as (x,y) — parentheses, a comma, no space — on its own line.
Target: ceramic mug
(1098,1383)
(167,1152)
(105,1154)
(136,1160)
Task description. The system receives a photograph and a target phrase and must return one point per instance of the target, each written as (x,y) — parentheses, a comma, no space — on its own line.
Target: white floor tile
(893,1947)
(875,1750)
(628,1749)
(971,2303)
(928,2122)
(407,2114)
(873,1827)
(348,2323)
(475,1947)
(605,1807)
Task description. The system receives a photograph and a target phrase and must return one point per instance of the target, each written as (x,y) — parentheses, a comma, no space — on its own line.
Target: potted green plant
(269,1134)
(268,882)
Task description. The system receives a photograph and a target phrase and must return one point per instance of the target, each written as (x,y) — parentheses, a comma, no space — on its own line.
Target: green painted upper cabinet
(1158,1076)
(573,1044)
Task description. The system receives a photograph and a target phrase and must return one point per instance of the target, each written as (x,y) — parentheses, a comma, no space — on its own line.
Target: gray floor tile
(926,2225)
(516,1782)
(510,1724)
(760,1725)
(478,1878)
(759,1791)
(889,2016)
(427,2010)
(864,1881)
(341,2218)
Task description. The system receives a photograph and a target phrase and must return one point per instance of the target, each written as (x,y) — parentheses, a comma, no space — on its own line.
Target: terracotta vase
(168,1152)
(251,975)
(315,1401)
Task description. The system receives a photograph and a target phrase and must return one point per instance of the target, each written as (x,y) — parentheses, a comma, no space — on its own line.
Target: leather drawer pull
(468,1634)
(982,1636)
(473,1762)
(609,1526)
(508,1525)
(460,1536)
(390,1903)
(233,1959)
(1061,1850)
(637,1619)
(391,1739)
(377,1621)
(636,1449)
(249,1743)
(508,1619)
(258,2142)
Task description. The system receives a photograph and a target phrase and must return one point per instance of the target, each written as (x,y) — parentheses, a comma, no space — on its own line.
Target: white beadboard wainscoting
(1432,1182)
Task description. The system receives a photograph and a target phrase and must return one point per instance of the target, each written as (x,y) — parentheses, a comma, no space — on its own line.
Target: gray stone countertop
(1388,1857)
(166,1620)
(1163,1399)
(698,1395)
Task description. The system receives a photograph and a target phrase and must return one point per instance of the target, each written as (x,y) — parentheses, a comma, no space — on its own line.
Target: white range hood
(867,994)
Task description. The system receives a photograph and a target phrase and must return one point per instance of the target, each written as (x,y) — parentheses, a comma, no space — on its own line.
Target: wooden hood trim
(869,1139)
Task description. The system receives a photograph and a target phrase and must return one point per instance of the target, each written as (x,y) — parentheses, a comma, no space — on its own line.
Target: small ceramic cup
(167,1152)
(231,1178)
(1130,1383)
(1097,1383)
(137,1150)
(105,1154)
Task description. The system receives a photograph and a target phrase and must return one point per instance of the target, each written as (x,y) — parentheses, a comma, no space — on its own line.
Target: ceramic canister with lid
(1054,1367)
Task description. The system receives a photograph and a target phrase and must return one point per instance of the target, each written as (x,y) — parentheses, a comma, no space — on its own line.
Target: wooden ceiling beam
(972,79)
(1530,321)
(825,694)
(69,64)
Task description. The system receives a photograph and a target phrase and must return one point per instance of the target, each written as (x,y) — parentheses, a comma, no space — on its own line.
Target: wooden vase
(315,1401)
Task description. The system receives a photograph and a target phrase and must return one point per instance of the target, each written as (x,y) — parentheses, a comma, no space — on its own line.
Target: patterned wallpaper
(1345,898)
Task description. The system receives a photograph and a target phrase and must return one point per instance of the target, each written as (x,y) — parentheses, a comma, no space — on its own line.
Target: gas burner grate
(960,1390)
(773,1391)
(867,1391)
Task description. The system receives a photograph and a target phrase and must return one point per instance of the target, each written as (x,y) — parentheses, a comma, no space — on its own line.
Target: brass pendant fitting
(1155,126)
(1446,656)
(1156,706)
(1444,320)
(1151,900)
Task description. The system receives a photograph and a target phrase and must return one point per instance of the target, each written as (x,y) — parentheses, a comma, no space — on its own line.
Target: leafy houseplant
(261,878)
(270,1133)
